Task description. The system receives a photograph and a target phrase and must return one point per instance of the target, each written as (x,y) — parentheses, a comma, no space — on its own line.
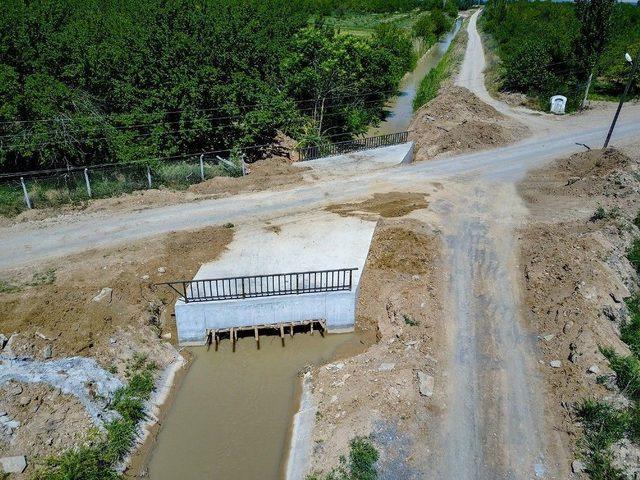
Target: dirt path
(494,426)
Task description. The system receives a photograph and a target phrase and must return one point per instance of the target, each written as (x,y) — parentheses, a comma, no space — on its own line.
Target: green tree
(595,18)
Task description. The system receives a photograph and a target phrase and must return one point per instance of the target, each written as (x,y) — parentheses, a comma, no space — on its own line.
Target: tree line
(87,81)
(573,49)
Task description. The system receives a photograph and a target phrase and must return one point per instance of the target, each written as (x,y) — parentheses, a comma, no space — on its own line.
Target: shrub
(634,254)
(627,370)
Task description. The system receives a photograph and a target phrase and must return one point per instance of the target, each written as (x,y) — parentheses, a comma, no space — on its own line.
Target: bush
(360,466)
(627,370)
(630,332)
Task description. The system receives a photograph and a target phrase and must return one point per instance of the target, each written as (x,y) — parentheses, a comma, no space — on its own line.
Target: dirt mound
(458,121)
(387,205)
(402,250)
(263,175)
(582,177)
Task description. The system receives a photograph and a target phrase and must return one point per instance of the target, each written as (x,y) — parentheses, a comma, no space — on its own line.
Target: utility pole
(632,75)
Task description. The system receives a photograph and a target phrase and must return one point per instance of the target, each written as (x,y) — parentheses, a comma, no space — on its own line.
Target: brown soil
(264,175)
(457,121)
(387,205)
(64,315)
(576,273)
(401,301)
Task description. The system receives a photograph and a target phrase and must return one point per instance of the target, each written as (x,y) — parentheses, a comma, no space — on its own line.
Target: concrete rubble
(78,376)
(15,464)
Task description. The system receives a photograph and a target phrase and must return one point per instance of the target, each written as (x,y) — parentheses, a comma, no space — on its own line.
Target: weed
(360,465)
(634,254)
(636,221)
(98,457)
(627,368)
(410,321)
(44,278)
(6,287)
(603,424)
(630,332)
(599,214)
(228,225)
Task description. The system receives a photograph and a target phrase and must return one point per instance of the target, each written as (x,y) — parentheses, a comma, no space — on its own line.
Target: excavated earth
(577,277)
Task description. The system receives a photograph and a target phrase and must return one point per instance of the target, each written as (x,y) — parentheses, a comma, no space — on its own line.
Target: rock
(104,295)
(567,326)
(610,312)
(15,464)
(577,466)
(549,337)
(162,270)
(24,400)
(166,336)
(425,384)
(334,398)
(3,341)
(145,277)
(594,369)
(335,367)
(112,341)
(17,390)
(12,424)
(47,352)
(555,363)
(386,367)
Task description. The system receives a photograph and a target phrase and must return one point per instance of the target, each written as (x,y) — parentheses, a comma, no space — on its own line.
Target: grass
(70,188)
(634,254)
(359,466)
(430,84)
(102,451)
(39,278)
(363,24)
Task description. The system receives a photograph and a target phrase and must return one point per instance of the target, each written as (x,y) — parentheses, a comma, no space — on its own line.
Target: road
(494,426)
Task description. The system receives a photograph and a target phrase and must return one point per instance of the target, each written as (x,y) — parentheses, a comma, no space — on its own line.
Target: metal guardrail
(339,148)
(294,283)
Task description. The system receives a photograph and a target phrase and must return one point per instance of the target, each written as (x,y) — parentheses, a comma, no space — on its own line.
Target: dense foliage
(551,48)
(87,81)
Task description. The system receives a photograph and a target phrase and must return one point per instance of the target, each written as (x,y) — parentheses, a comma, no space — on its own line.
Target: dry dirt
(377,392)
(457,121)
(64,317)
(576,273)
(387,205)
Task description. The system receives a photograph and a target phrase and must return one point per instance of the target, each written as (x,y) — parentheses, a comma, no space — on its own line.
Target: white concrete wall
(195,318)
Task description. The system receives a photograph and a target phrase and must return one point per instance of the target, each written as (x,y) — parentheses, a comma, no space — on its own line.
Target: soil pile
(387,205)
(457,121)
(576,273)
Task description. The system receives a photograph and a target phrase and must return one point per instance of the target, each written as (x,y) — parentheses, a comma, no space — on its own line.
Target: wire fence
(78,185)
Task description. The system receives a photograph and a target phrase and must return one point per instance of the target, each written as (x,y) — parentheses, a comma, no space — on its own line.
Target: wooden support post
(257,335)
(321,329)
(311,327)
(291,329)
(209,335)
(233,339)
(282,334)
(217,339)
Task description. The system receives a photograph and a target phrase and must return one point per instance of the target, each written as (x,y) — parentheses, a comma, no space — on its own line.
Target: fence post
(244,167)
(202,167)
(149,175)
(27,200)
(86,179)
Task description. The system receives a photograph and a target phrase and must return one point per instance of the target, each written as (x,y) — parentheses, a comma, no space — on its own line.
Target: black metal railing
(270,285)
(339,148)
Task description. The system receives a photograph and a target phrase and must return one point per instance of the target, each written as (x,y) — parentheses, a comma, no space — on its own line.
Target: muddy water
(231,417)
(400,107)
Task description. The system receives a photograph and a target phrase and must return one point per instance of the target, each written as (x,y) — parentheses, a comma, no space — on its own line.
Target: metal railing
(294,283)
(339,148)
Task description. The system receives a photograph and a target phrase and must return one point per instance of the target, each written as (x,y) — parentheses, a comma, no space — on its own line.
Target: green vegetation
(360,465)
(88,82)
(430,84)
(98,457)
(410,321)
(551,48)
(634,254)
(39,278)
(601,213)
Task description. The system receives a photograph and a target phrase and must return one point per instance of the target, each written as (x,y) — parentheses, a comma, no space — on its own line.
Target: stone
(112,341)
(610,313)
(334,398)
(17,390)
(15,464)
(166,336)
(3,341)
(162,270)
(425,384)
(24,400)
(567,326)
(47,352)
(558,104)
(549,337)
(594,369)
(105,295)
(145,277)
(335,367)
(386,367)
(555,363)
(577,466)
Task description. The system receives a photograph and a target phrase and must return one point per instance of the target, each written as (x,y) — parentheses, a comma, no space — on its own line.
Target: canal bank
(400,108)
